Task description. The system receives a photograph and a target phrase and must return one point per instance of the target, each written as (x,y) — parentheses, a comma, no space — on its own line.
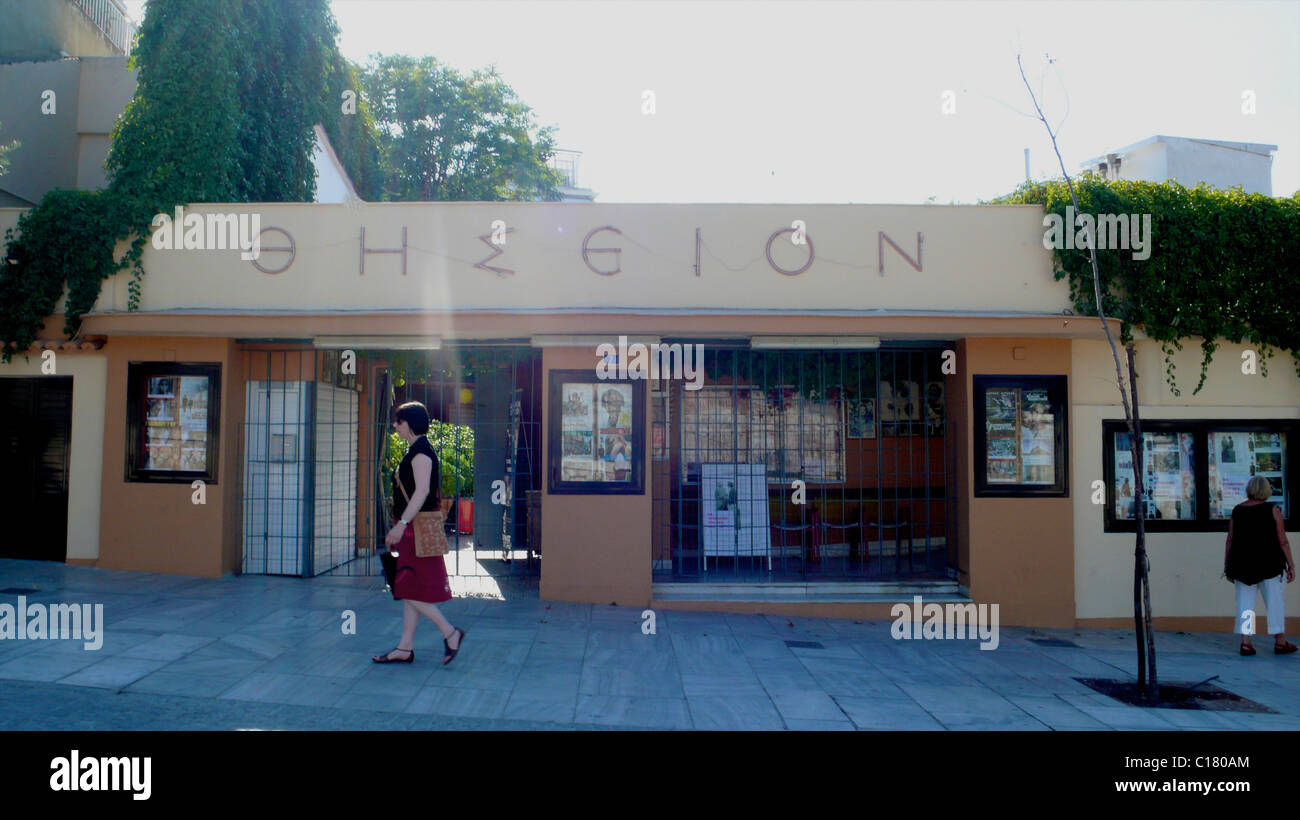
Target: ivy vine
(1223,265)
(225,116)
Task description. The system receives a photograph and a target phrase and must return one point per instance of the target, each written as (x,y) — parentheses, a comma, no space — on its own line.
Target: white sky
(841,101)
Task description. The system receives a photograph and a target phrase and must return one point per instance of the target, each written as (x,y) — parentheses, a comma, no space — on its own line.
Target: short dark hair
(415,415)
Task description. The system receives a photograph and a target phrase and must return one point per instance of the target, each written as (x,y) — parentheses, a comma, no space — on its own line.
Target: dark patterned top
(406,474)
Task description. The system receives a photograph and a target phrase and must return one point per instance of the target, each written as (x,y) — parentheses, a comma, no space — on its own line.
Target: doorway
(35,446)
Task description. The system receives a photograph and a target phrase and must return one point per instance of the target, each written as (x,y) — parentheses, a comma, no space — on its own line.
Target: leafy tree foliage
(1224,265)
(227,95)
(5,149)
(443,136)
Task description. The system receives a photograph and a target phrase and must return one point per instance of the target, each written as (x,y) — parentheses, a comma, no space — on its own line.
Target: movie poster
(162,445)
(596,432)
(1235,458)
(862,418)
(1001,422)
(1037,439)
(733,510)
(192,405)
(1169,472)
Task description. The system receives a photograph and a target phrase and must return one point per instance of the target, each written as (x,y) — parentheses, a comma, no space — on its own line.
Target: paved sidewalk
(266,652)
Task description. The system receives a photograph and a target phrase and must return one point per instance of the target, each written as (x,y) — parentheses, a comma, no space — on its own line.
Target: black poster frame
(138,374)
(1200,430)
(555,429)
(1058,394)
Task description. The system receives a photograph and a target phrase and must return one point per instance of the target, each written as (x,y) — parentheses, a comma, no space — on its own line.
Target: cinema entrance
(318,452)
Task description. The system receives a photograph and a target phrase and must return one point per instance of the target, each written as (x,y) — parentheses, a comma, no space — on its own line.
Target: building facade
(800,409)
(1219,163)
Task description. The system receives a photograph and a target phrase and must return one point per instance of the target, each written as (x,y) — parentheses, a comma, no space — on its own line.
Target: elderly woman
(1256,557)
(421,583)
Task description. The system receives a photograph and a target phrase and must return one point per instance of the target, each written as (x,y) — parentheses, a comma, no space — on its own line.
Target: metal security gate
(299,453)
(805,465)
(485,407)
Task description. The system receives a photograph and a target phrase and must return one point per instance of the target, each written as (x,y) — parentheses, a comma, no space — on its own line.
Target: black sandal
(451,653)
(386,659)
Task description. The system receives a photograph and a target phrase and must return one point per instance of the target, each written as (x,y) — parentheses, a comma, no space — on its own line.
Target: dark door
(35,445)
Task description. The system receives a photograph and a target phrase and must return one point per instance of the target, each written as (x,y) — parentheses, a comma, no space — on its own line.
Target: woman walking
(1255,558)
(421,583)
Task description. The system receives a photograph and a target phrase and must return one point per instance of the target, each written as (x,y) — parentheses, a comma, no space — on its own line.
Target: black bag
(389,562)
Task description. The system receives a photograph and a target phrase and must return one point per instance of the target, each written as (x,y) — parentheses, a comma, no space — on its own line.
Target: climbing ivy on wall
(227,94)
(1222,265)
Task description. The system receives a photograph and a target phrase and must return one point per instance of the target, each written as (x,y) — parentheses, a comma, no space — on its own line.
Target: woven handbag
(430,537)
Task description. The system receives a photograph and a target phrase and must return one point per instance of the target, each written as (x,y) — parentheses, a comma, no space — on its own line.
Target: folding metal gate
(805,465)
(299,454)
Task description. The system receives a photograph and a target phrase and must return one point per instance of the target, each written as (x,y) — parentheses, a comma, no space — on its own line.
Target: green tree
(226,97)
(4,160)
(352,133)
(445,137)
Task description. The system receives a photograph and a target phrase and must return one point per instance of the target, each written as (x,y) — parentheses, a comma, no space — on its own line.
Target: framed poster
(862,418)
(1168,473)
(172,421)
(934,410)
(1235,457)
(1020,435)
(596,434)
(900,408)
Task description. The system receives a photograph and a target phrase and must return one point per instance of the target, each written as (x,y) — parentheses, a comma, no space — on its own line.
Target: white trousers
(1271,589)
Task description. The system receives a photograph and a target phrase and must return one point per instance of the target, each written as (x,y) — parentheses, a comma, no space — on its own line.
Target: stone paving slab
(264,652)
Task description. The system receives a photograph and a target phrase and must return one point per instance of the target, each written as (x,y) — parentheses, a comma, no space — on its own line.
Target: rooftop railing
(109,16)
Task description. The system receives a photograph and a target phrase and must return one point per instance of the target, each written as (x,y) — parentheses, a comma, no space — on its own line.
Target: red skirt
(419,579)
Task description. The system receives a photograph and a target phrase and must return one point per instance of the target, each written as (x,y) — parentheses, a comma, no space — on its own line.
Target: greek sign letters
(499,248)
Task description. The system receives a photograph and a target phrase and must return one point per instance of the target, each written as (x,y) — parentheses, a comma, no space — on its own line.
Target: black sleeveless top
(1255,554)
(406,474)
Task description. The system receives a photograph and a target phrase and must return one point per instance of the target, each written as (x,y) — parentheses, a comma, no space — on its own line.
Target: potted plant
(454,445)
(455,448)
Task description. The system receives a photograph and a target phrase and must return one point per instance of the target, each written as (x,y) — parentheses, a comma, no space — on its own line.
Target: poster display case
(597,434)
(1196,471)
(1020,435)
(172,417)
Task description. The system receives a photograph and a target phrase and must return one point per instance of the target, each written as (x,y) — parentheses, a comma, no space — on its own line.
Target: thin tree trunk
(1141,576)
(1139,549)
(1141,563)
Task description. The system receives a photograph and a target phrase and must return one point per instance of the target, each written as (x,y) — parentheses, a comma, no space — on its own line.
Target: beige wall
(1021,553)
(1186,587)
(156,527)
(596,548)
(89,372)
(964,248)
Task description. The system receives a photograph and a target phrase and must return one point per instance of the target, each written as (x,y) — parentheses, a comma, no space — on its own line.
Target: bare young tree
(1146,647)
